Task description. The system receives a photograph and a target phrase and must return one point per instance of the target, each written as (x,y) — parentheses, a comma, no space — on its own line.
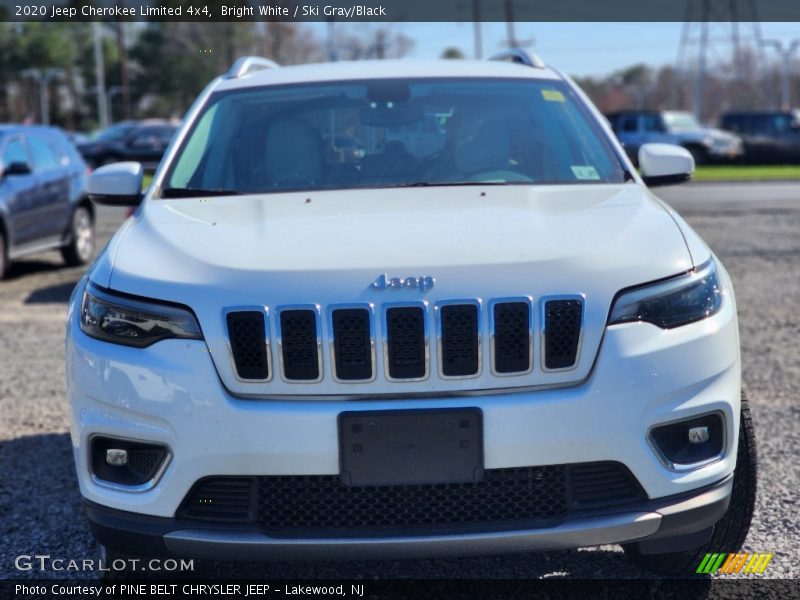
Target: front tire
(731,530)
(80,248)
(3,255)
(699,154)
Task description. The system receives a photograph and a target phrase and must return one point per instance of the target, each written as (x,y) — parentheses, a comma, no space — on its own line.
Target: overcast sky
(580,48)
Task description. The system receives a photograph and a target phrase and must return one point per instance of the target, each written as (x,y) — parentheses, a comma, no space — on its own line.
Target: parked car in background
(636,128)
(43,203)
(768,136)
(142,141)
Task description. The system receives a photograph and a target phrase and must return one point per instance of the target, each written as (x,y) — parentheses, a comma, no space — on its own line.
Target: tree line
(152,69)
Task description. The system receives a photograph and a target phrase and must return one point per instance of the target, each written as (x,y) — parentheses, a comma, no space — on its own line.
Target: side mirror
(17,168)
(665,164)
(117,184)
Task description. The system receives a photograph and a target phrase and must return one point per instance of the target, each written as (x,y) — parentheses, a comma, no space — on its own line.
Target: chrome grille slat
(352,344)
(300,343)
(406,343)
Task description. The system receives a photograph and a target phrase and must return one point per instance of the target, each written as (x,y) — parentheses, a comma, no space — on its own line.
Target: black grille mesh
(307,505)
(248,343)
(512,337)
(459,339)
(602,484)
(352,343)
(145,461)
(406,342)
(562,332)
(299,344)
(221,499)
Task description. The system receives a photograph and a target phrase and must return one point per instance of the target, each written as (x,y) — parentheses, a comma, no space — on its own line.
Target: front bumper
(171,394)
(664,524)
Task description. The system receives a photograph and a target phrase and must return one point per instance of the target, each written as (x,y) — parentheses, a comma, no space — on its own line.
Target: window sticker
(552,95)
(584,172)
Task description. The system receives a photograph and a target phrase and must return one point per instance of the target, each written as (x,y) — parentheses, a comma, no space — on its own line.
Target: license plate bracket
(405,447)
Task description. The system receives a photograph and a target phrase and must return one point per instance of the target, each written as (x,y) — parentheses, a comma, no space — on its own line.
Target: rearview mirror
(665,164)
(17,168)
(118,184)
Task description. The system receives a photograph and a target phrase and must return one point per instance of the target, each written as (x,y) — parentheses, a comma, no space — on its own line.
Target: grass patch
(746,172)
(148,178)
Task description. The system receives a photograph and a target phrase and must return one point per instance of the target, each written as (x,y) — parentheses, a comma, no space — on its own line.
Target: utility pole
(43,77)
(331,41)
(786,65)
(714,30)
(512,40)
(123,69)
(100,76)
(476,25)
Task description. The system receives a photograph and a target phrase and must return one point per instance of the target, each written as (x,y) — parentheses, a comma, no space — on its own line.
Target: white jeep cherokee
(406,309)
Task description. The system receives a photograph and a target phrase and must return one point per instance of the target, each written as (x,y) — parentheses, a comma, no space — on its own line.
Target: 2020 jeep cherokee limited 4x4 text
(481,334)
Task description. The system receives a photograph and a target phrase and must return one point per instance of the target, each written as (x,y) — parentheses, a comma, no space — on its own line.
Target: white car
(507,344)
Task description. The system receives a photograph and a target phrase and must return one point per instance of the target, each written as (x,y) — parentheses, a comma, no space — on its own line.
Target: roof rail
(520,56)
(247,64)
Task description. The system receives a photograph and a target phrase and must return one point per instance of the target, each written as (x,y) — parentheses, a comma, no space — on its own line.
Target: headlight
(672,303)
(129,321)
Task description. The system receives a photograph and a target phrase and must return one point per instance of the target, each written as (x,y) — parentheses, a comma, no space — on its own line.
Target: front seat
(483,149)
(293,155)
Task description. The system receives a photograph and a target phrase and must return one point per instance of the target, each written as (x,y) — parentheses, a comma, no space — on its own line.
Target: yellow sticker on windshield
(552,95)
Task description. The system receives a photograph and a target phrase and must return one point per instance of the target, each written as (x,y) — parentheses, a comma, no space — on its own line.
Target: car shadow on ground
(52,294)
(40,506)
(23,268)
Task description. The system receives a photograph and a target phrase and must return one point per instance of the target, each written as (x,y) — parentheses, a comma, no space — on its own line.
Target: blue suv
(43,202)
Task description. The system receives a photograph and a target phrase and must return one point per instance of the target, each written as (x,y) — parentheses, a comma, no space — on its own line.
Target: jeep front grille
(404,335)
(352,344)
(299,344)
(459,340)
(406,342)
(562,327)
(512,337)
(248,339)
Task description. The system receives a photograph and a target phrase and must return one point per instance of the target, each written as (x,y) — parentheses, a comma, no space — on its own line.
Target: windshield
(392,133)
(681,120)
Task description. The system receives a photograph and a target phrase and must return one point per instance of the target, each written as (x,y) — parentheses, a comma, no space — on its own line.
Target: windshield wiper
(197,192)
(446,183)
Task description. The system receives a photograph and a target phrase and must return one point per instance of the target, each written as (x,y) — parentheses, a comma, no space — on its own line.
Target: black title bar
(402,10)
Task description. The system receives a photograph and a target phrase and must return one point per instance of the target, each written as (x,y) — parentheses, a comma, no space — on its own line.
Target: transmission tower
(721,38)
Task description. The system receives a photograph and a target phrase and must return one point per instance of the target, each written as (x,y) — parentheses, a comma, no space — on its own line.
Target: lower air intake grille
(602,484)
(460,342)
(221,500)
(299,347)
(562,329)
(248,343)
(321,505)
(352,344)
(512,337)
(406,342)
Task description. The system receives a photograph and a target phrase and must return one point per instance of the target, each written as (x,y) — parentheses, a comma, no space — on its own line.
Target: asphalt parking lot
(753,228)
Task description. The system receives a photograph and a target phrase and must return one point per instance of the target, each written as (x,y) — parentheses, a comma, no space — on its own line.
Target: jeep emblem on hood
(423,283)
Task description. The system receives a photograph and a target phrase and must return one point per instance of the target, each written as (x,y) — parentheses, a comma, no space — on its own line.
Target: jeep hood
(328,247)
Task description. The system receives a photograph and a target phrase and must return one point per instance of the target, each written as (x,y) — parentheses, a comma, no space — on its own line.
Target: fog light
(116,457)
(698,435)
(126,462)
(685,443)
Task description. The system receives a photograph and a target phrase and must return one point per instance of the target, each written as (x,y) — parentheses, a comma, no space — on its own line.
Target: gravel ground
(758,239)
